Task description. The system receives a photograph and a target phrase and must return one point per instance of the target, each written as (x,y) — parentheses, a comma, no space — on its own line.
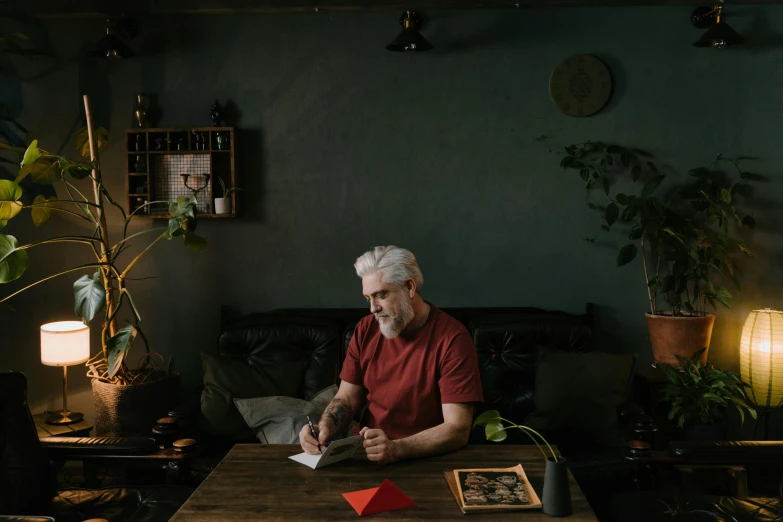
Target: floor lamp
(761,360)
(63,344)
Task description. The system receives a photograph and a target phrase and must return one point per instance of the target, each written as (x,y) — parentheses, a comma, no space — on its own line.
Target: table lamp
(761,360)
(63,344)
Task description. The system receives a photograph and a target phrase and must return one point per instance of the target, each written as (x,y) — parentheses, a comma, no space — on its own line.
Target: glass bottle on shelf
(140,166)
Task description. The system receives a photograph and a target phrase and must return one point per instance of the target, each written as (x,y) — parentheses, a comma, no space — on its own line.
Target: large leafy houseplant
(687,239)
(105,289)
(701,393)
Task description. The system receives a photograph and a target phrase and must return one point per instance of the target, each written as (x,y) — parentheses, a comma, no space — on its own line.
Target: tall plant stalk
(109,328)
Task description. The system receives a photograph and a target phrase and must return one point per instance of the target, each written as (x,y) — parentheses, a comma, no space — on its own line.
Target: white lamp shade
(65,343)
(761,356)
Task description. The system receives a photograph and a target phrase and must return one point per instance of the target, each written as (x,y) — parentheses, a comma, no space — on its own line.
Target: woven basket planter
(125,411)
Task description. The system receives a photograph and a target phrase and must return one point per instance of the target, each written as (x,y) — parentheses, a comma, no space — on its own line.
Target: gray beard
(398,323)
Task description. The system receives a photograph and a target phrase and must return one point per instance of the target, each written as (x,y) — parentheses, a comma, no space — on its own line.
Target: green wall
(344,146)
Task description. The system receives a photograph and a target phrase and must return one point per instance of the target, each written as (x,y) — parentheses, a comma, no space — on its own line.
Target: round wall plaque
(580,85)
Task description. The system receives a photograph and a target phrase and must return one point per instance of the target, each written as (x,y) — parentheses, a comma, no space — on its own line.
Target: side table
(648,386)
(77,429)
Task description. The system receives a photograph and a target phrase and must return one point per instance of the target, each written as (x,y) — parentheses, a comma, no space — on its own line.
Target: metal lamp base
(63,417)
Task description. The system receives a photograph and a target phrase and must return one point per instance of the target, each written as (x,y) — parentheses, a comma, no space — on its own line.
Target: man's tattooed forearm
(338,414)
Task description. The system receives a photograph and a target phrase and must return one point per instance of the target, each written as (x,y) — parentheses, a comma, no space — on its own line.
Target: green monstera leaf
(176,227)
(487,417)
(495,432)
(183,206)
(46,170)
(118,347)
(83,140)
(89,297)
(32,153)
(42,209)
(10,205)
(75,169)
(13,262)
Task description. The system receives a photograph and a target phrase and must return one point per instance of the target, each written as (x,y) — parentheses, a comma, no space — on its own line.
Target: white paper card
(338,450)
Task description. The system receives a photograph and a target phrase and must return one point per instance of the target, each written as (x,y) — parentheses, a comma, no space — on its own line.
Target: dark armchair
(27,485)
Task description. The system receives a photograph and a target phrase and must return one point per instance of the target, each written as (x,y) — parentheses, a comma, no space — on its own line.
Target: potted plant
(700,394)
(557,494)
(127,400)
(688,239)
(223,204)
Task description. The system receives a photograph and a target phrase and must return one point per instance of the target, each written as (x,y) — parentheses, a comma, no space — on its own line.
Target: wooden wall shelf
(163,163)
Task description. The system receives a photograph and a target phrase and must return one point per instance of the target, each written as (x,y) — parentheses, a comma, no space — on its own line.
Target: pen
(312,431)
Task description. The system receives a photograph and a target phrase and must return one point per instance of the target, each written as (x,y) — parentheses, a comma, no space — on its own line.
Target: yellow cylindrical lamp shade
(761,356)
(65,343)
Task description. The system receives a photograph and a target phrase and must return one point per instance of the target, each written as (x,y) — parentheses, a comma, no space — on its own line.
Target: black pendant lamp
(719,34)
(410,39)
(110,45)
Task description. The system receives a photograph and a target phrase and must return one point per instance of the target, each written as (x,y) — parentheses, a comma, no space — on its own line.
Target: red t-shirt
(408,378)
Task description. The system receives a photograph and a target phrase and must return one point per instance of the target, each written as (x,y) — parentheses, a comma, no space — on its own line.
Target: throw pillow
(226,378)
(577,396)
(278,420)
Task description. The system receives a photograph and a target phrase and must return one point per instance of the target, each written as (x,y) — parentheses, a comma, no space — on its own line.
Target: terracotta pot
(681,336)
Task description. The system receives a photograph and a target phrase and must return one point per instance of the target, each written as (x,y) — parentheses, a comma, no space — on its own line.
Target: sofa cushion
(264,341)
(577,396)
(278,420)
(226,378)
(507,346)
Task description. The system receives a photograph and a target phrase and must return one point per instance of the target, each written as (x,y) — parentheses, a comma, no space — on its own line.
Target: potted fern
(700,394)
(127,399)
(688,239)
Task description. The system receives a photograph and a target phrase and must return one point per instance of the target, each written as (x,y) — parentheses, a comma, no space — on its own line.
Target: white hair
(396,264)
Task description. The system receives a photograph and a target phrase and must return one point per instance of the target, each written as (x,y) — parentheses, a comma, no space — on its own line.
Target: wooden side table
(77,429)
(649,384)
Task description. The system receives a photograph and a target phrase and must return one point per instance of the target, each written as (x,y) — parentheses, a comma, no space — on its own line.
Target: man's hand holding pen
(314,437)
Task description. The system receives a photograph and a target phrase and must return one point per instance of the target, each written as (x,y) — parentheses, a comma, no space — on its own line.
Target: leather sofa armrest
(727,452)
(74,447)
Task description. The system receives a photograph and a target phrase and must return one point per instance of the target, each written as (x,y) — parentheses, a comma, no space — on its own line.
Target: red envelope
(386,497)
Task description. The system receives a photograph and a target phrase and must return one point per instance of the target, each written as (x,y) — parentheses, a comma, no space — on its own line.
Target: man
(414,367)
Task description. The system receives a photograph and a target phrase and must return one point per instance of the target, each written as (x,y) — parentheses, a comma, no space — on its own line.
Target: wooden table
(76,429)
(260,482)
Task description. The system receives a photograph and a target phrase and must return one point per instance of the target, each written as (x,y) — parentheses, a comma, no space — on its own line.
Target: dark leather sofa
(507,340)
(27,488)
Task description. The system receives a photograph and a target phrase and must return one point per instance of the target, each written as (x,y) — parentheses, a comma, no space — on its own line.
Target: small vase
(141,109)
(216,113)
(222,205)
(557,492)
